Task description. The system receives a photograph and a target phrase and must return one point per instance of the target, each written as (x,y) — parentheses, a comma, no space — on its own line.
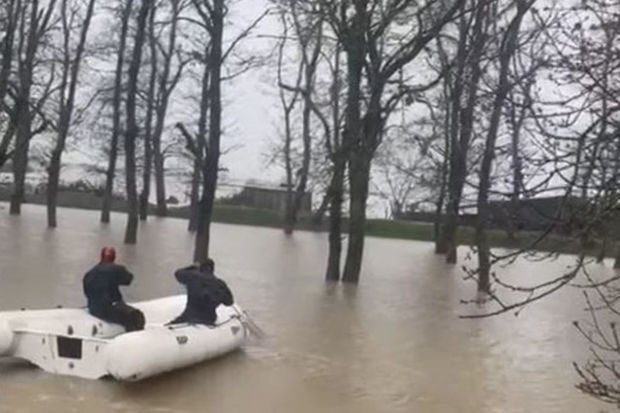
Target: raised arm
(186,275)
(122,276)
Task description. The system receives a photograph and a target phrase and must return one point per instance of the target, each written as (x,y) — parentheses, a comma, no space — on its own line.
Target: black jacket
(101,285)
(204,293)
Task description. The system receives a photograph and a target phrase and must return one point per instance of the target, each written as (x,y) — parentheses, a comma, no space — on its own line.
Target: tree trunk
(462,122)
(52,188)
(108,194)
(359,171)
(617,260)
(148,127)
(166,86)
(211,163)
(22,144)
(309,61)
(439,206)
(161,210)
(335,196)
(454,93)
(194,197)
(199,156)
(5,142)
(509,45)
(600,257)
(449,242)
(20,158)
(356,49)
(335,192)
(445,167)
(131,233)
(146,177)
(288,108)
(288,208)
(307,153)
(319,214)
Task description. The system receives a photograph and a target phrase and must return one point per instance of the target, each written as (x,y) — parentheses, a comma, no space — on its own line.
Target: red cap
(108,254)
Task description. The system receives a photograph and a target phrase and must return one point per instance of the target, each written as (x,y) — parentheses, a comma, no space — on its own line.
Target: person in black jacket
(205,292)
(105,301)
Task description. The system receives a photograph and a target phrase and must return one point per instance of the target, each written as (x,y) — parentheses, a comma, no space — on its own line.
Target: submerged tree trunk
(336,197)
(199,154)
(167,83)
(211,162)
(335,191)
(461,125)
(356,49)
(600,257)
(131,233)
(617,258)
(445,167)
(441,199)
(359,176)
(509,46)
(300,191)
(287,108)
(195,145)
(194,197)
(108,193)
(161,210)
(310,60)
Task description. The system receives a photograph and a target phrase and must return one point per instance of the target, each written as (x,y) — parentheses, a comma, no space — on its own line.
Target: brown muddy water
(395,343)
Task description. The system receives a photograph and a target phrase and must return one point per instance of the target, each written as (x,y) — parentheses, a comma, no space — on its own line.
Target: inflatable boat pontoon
(72,342)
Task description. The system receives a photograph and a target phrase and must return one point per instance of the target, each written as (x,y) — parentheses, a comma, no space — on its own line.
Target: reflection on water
(392,344)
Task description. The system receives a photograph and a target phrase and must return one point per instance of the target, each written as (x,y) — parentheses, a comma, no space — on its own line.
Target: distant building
(566,214)
(264,197)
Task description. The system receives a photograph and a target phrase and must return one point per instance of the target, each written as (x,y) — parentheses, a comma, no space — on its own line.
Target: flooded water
(395,343)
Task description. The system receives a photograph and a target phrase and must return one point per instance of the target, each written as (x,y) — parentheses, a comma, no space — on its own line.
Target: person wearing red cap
(101,287)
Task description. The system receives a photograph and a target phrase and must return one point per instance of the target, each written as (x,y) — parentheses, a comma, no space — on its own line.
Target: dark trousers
(121,313)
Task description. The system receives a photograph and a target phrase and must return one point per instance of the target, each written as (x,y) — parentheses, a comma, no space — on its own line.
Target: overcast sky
(252,112)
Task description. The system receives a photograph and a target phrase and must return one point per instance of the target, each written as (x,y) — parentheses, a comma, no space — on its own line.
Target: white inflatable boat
(72,342)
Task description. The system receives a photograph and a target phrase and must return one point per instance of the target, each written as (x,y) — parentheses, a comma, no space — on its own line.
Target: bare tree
(508,48)
(363,27)
(212,14)
(461,87)
(168,80)
(577,138)
(288,106)
(70,71)
(329,113)
(35,21)
(131,233)
(11,19)
(117,110)
(307,23)
(198,150)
